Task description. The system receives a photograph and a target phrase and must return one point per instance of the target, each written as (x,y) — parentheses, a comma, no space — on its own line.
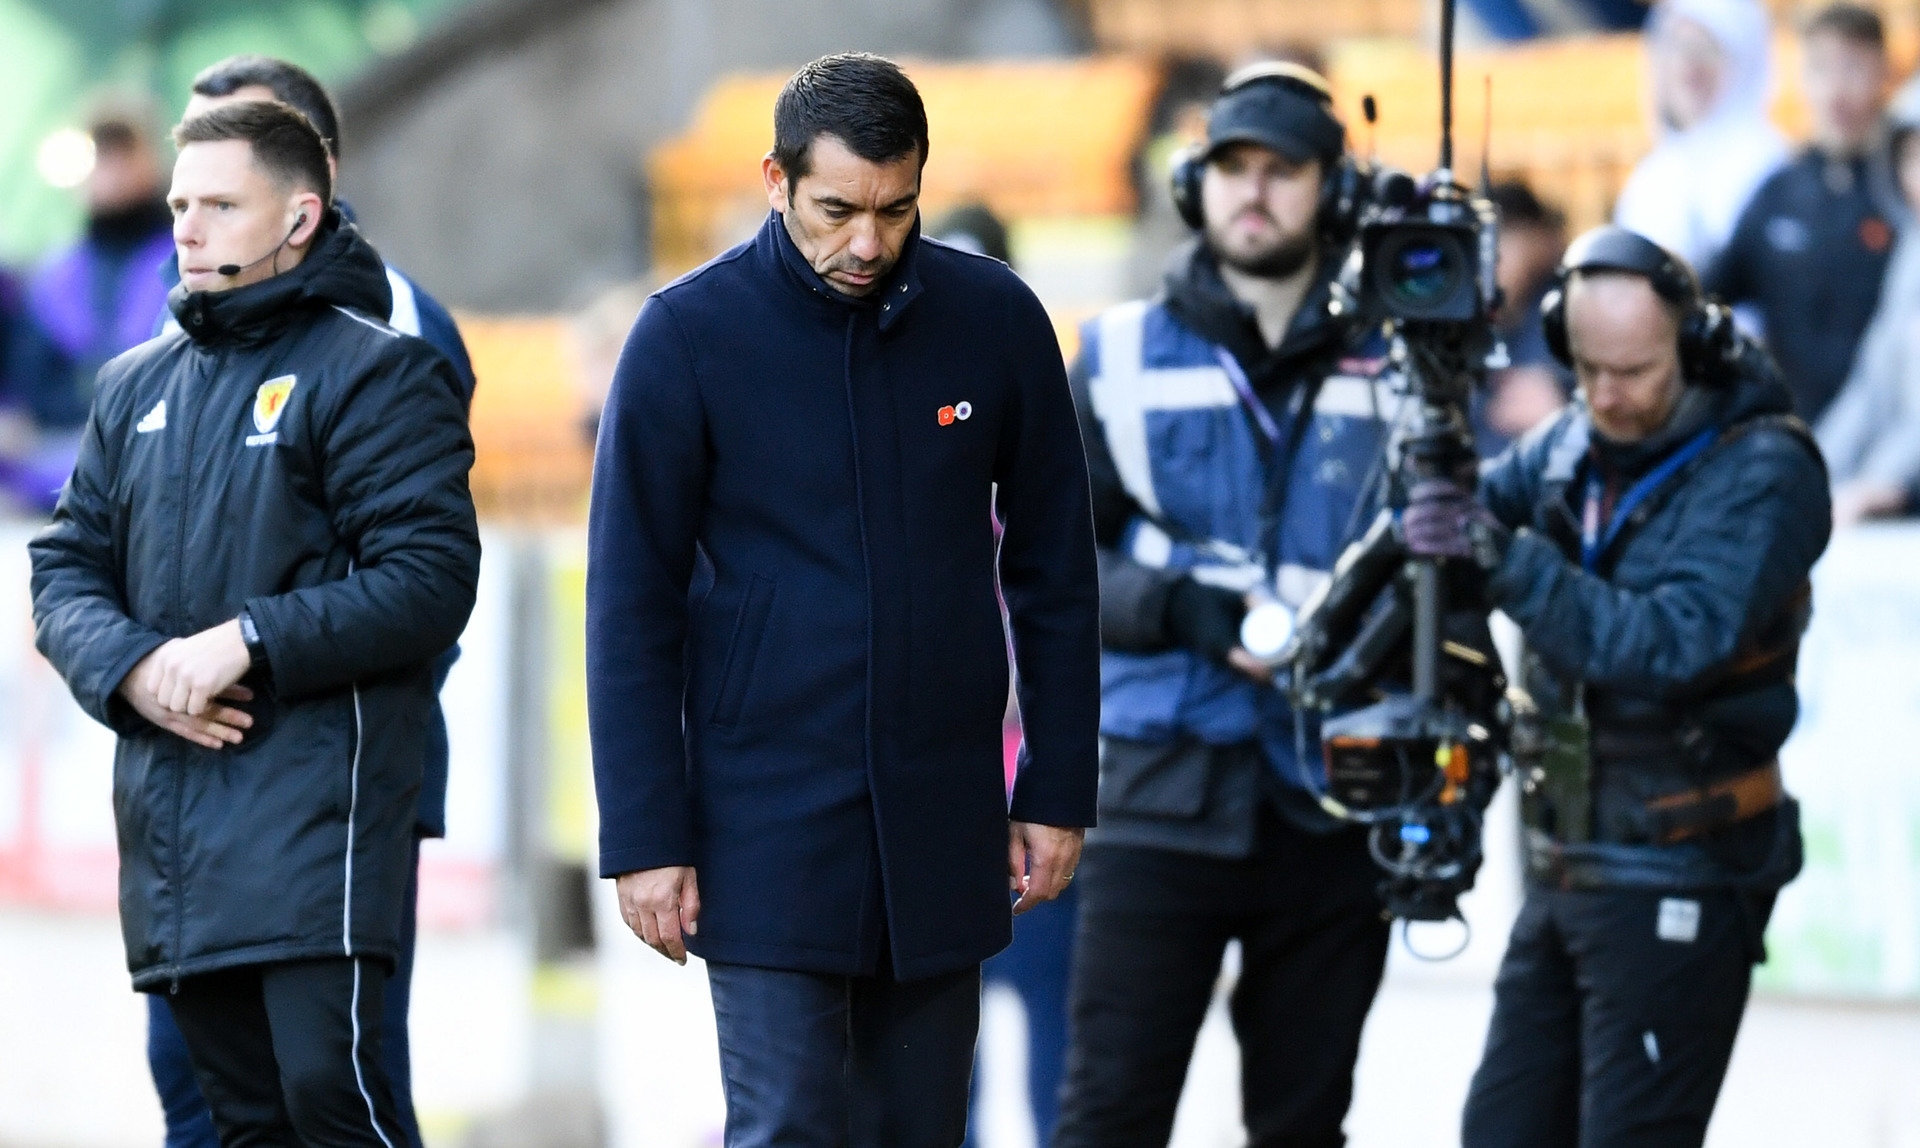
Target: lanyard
(1593,540)
(1262,417)
(1284,450)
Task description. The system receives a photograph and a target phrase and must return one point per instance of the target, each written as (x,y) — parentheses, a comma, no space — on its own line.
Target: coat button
(903,288)
(886,306)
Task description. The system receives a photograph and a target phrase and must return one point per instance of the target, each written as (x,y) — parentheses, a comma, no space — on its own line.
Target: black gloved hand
(1443,520)
(1204,618)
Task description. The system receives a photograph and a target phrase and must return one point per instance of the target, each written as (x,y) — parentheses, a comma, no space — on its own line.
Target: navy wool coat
(796,661)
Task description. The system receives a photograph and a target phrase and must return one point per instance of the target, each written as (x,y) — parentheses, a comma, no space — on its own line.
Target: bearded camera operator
(1653,543)
(1230,457)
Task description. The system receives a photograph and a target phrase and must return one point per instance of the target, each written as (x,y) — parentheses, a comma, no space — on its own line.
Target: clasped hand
(180,685)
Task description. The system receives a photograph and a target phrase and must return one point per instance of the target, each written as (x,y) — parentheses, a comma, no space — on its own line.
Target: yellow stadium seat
(533,462)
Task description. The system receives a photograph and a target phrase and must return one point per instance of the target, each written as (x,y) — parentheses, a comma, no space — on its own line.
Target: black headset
(1707,339)
(1341,184)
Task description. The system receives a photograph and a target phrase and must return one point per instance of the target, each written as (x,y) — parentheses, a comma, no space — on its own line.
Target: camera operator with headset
(1653,542)
(1230,451)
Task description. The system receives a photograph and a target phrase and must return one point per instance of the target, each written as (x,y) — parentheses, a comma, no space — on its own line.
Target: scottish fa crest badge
(271,401)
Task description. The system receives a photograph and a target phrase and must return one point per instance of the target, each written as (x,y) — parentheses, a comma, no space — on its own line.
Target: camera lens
(1418,270)
(1421,273)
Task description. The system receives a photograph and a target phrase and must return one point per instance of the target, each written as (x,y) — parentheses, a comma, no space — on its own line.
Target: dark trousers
(188,1123)
(1614,1018)
(1154,925)
(1036,966)
(288,1054)
(810,1060)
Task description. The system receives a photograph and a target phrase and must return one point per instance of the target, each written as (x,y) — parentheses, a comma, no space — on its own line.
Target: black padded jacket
(289,454)
(1706,582)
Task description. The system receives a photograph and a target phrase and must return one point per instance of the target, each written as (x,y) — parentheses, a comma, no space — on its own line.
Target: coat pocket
(743,649)
(1155,779)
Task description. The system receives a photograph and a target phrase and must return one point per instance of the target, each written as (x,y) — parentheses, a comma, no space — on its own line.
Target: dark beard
(1278,262)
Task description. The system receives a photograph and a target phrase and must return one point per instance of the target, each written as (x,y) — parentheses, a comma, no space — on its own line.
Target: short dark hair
(121,123)
(864,101)
(290,83)
(1852,22)
(975,227)
(115,135)
(1520,207)
(285,143)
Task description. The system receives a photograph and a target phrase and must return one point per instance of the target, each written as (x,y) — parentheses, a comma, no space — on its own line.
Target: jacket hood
(1745,36)
(1198,296)
(342,270)
(1756,391)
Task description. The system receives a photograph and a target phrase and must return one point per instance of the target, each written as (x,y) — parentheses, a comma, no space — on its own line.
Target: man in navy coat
(796,659)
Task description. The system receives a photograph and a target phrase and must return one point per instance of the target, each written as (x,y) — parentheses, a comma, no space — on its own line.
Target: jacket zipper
(180,606)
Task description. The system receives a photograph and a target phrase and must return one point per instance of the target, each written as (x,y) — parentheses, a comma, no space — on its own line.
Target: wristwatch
(256,649)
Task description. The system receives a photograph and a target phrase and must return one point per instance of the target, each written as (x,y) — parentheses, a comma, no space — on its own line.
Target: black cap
(1284,107)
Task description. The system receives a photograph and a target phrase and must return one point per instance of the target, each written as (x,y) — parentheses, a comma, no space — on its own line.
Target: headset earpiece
(1340,192)
(1707,340)
(1341,184)
(1553,322)
(1342,195)
(1707,337)
(1185,174)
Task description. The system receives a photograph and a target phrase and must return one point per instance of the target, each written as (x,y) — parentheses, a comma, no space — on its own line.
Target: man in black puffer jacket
(266,540)
(1653,543)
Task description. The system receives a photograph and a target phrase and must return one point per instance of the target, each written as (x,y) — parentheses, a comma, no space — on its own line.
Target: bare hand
(1040,861)
(660,905)
(1240,659)
(187,674)
(1855,502)
(214,727)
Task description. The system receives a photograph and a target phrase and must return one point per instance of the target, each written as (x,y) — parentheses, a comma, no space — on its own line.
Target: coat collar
(890,299)
(342,269)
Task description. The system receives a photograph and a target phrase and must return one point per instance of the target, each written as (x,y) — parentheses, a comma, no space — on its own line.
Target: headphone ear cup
(1184,177)
(1553,324)
(1706,343)
(1340,201)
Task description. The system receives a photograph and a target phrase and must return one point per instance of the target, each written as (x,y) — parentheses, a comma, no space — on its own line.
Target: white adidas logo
(155,420)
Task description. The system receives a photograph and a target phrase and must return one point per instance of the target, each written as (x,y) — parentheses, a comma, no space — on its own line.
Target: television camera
(1394,653)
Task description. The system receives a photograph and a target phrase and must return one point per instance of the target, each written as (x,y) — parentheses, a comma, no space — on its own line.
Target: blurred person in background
(797,666)
(1709,62)
(411,312)
(17,436)
(1533,385)
(594,340)
(1176,120)
(1812,246)
(265,543)
(1229,439)
(252,77)
(89,302)
(1035,966)
(1870,433)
